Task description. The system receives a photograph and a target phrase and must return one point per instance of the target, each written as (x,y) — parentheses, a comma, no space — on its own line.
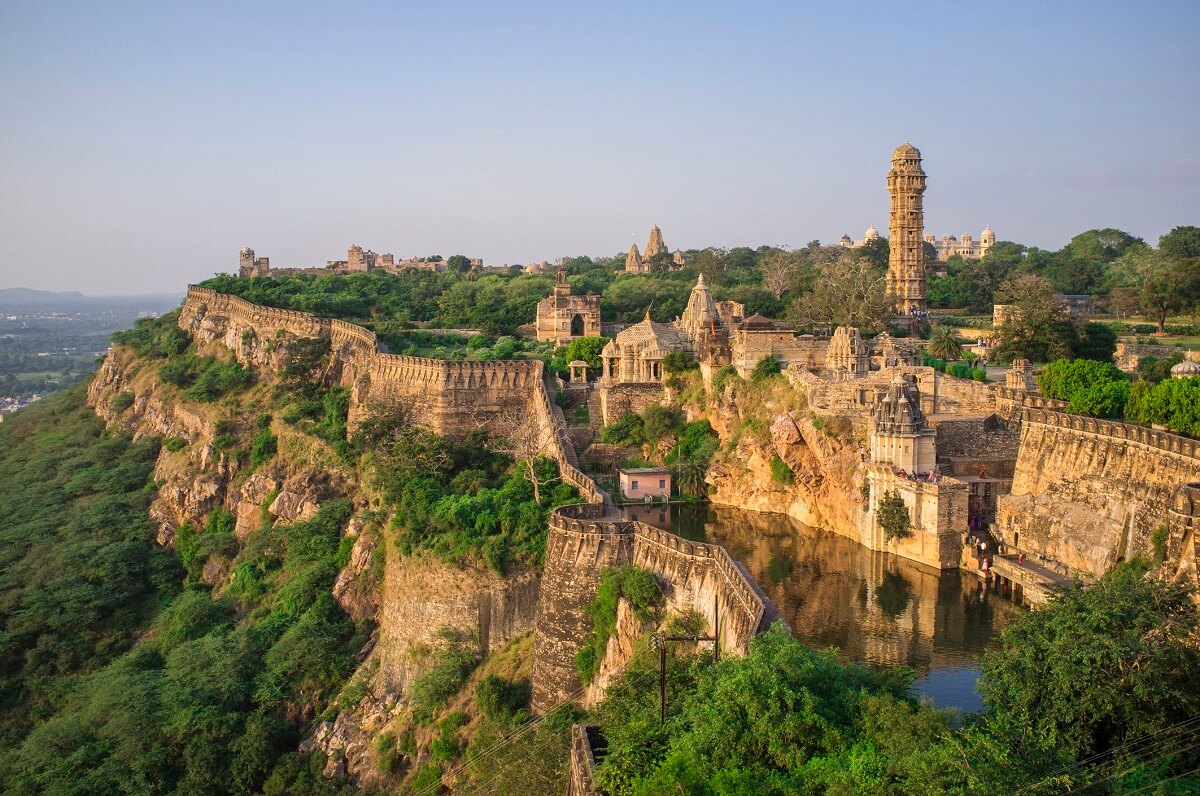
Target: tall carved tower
(906,260)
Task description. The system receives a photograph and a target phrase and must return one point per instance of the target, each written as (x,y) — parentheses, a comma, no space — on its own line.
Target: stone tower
(246,262)
(906,223)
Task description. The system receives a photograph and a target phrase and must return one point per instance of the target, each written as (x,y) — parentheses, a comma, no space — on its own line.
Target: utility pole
(660,641)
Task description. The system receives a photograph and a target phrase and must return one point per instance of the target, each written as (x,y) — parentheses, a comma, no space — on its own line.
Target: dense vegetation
(463,499)
(1069,693)
(1099,389)
(212,698)
(616,583)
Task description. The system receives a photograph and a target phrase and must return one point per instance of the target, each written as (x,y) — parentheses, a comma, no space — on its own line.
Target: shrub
(722,377)
(498,698)
(1089,387)
(265,443)
(174,444)
(767,367)
(678,361)
(428,779)
(780,472)
(660,422)
(628,429)
(635,585)
(1158,539)
(448,669)
(122,401)
(978,374)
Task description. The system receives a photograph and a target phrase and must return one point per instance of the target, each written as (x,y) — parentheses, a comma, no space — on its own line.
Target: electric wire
(1150,744)
(517,733)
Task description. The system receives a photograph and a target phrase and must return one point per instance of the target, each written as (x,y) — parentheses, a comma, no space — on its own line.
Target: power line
(514,735)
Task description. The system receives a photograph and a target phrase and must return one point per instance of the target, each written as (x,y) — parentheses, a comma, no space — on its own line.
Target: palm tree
(943,343)
(689,476)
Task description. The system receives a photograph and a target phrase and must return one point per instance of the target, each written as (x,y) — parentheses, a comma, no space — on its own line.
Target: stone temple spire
(906,223)
(655,245)
(633,260)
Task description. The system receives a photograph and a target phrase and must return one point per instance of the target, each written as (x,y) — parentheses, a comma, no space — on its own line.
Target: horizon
(145,146)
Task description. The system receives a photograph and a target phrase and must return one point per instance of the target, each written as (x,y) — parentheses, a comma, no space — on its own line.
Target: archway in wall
(577,325)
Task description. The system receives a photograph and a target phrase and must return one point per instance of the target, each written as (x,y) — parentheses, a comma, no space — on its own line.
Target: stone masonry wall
(456,397)
(582,543)
(1087,493)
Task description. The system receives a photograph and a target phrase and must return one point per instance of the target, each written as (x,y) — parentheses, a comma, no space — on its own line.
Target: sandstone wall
(621,399)
(1087,493)
(582,543)
(450,397)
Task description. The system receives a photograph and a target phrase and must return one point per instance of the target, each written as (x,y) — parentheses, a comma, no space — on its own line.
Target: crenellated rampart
(454,397)
(1088,493)
(582,542)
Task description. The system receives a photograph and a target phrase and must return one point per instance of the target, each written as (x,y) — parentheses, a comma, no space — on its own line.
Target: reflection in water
(875,607)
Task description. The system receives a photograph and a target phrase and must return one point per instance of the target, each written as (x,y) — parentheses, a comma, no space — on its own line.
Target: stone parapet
(584,742)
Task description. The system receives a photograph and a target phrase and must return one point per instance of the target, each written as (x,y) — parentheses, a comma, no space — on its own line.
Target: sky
(143,144)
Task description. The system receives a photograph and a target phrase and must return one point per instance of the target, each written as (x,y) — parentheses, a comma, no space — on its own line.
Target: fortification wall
(1129,356)
(582,543)
(456,397)
(450,397)
(1087,493)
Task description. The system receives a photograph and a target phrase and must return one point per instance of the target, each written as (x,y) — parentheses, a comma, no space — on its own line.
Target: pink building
(639,483)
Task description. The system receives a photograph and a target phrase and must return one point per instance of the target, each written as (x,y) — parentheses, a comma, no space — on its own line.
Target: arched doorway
(577,325)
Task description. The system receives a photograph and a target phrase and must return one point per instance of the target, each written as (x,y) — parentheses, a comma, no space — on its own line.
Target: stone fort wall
(1087,493)
(456,397)
(583,541)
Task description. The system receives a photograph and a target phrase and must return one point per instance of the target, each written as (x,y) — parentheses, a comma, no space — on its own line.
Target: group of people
(929,476)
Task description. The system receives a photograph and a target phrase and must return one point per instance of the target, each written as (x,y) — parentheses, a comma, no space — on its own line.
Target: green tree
(766,367)
(1039,328)
(944,344)
(459,263)
(892,516)
(1090,387)
(587,349)
(1167,281)
(1099,666)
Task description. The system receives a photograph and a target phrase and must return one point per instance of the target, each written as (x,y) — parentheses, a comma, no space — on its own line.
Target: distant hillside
(74,301)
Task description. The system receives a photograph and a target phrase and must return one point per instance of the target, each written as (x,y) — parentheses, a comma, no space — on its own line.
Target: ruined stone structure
(965,247)
(358,260)
(906,222)
(251,266)
(654,257)
(1129,356)
(562,317)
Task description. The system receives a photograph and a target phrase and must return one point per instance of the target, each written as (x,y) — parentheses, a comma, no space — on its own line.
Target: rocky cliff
(821,452)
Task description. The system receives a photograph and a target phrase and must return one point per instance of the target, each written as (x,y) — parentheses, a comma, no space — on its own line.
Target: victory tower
(906,258)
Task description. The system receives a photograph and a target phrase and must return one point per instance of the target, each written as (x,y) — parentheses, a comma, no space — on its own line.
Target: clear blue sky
(142,144)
